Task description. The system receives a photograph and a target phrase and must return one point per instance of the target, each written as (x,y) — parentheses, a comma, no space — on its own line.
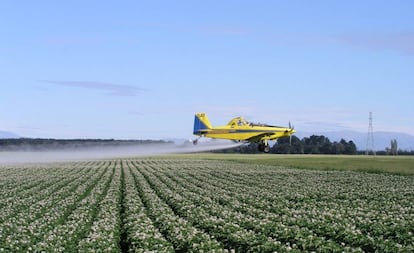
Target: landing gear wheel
(261,147)
(264,147)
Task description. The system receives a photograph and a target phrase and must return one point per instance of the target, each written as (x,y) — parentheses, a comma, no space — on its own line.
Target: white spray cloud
(110,152)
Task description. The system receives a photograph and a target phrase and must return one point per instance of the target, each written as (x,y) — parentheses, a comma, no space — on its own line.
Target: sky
(142,69)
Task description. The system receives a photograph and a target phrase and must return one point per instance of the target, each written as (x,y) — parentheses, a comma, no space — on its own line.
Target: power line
(370,137)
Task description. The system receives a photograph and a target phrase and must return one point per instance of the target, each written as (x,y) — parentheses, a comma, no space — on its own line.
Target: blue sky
(141,69)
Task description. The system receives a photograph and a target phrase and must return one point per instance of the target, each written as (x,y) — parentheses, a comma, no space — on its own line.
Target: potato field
(191,204)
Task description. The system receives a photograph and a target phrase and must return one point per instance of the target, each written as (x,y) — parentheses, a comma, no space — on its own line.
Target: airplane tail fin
(201,123)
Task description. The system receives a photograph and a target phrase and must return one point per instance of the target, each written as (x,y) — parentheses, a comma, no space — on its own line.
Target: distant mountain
(4,135)
(381,139)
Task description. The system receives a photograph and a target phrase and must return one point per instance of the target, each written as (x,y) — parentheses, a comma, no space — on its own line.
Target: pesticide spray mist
(111,152)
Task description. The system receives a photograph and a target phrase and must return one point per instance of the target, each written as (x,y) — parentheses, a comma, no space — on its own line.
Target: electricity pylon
(370,137)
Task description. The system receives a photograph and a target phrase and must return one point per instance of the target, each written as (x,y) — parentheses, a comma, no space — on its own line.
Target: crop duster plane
(238,129)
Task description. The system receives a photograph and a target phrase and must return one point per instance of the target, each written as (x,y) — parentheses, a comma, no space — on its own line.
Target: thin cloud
(109,88)
(326,125)
(69,40)
(136,113)
(207,29)
(225,30)
(402,42)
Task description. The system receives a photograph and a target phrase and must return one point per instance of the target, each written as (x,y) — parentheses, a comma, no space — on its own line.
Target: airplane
(238,129)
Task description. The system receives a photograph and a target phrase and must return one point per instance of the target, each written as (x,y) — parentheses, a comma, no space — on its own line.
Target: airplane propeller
(291,127)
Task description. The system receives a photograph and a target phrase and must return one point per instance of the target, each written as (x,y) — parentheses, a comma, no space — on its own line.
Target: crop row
(261,208)
(189,205)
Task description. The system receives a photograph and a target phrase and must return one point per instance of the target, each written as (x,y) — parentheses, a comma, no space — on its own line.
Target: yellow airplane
(239,129)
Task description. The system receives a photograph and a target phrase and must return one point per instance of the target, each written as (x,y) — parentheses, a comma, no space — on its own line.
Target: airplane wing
(262,136)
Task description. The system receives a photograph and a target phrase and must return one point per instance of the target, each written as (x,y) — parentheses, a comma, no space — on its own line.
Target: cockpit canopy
(240,121)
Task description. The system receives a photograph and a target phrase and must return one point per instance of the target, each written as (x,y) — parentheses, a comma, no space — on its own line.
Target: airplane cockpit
(239,121)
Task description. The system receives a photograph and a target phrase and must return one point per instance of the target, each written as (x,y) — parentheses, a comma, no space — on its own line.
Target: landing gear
(264,146)
(196,140)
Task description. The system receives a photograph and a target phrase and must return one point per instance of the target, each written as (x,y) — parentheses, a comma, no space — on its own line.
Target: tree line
(315,144)
(40,144)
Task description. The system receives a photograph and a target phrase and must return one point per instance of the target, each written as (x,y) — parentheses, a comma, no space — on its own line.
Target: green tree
(288,145)
(350,148)
(317,144)
(394,147)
